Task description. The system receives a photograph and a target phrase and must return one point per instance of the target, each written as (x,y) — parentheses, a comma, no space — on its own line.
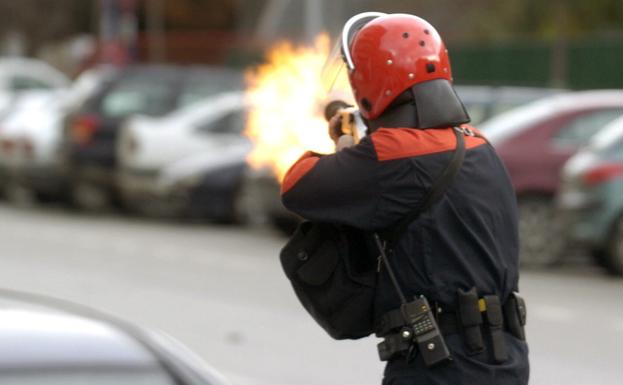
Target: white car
(189,162)
(31,133)
(20,74)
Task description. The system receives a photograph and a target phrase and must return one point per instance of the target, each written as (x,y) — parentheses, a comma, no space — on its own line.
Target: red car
(535,141)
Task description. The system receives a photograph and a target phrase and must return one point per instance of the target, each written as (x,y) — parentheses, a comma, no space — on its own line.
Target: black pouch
(495,320)
(515,314)
(333,276)
(471,320)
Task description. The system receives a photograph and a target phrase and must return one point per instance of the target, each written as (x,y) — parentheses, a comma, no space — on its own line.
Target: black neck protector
(432,104)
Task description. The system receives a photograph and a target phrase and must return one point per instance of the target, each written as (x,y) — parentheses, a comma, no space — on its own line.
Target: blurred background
(142,143)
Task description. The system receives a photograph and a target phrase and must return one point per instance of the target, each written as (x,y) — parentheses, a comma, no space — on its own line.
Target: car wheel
(540,240)
(613,258)
(89,197)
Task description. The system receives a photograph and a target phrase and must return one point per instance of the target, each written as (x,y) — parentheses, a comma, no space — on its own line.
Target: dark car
(535,141)
(216,193)
(51,342)
(91,132)
(590,200)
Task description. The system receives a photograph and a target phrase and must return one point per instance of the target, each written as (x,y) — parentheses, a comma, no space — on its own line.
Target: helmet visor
(333,68)
(340,57)
(352,26)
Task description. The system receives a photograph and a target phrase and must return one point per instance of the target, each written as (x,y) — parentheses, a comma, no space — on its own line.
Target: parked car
(535,141)
(30,137)
(590,200)
(18,75)
(189,162)
(90,136)
(484,102)
(211,185)
(17,142)
(51,342)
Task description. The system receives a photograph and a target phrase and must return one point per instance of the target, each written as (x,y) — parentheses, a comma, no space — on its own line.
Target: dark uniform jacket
(468,239)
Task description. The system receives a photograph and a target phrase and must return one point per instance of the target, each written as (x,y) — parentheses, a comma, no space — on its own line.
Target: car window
(137,96)
(103,376)
(230,123)
(20,83)
(579,130)
(198,88)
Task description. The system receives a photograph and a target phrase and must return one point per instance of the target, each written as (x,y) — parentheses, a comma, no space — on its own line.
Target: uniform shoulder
(398,143)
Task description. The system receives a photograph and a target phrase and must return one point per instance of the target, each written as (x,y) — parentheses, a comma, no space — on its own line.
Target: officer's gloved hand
(335,127)
(335,132)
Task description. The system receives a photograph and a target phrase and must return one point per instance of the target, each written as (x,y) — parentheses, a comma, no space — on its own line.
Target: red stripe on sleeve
(298,170)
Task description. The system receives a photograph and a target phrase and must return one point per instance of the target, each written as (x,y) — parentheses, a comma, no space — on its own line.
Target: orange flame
(287,101)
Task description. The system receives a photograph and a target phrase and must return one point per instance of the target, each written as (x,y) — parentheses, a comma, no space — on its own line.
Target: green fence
(596,63)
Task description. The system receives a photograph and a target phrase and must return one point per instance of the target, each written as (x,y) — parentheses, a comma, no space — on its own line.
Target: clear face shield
(334,71)
(334,77)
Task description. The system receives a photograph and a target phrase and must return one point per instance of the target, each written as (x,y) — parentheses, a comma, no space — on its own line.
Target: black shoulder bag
(331,271)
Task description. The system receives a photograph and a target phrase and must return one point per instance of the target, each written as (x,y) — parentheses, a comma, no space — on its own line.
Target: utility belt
(412,327)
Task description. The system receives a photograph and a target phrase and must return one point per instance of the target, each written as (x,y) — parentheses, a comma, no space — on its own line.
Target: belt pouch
(471,320)
(515,315)
(495,320)
(392,345)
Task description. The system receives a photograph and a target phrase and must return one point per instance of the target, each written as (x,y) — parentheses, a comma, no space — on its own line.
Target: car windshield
(137,95)
(203,85)
(91,376)
(582,129)
(21,83)
(514,121)
(206,110)
(610,136)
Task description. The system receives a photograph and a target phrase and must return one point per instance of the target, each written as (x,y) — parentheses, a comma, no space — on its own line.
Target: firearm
(351,121)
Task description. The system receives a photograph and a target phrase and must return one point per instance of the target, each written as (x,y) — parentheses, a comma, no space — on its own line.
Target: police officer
(461,254)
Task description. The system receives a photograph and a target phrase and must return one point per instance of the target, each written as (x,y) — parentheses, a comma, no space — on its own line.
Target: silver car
(51,342)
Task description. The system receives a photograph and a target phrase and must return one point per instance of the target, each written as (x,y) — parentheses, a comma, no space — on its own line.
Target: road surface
(220,290)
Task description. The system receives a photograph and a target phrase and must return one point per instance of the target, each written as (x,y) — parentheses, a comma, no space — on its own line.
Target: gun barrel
(333,107)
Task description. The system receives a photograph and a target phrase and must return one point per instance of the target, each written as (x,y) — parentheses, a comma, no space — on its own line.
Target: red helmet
(387,54)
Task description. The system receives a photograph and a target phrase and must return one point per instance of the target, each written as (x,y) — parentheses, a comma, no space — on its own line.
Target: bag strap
(434,195)
(393,234)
